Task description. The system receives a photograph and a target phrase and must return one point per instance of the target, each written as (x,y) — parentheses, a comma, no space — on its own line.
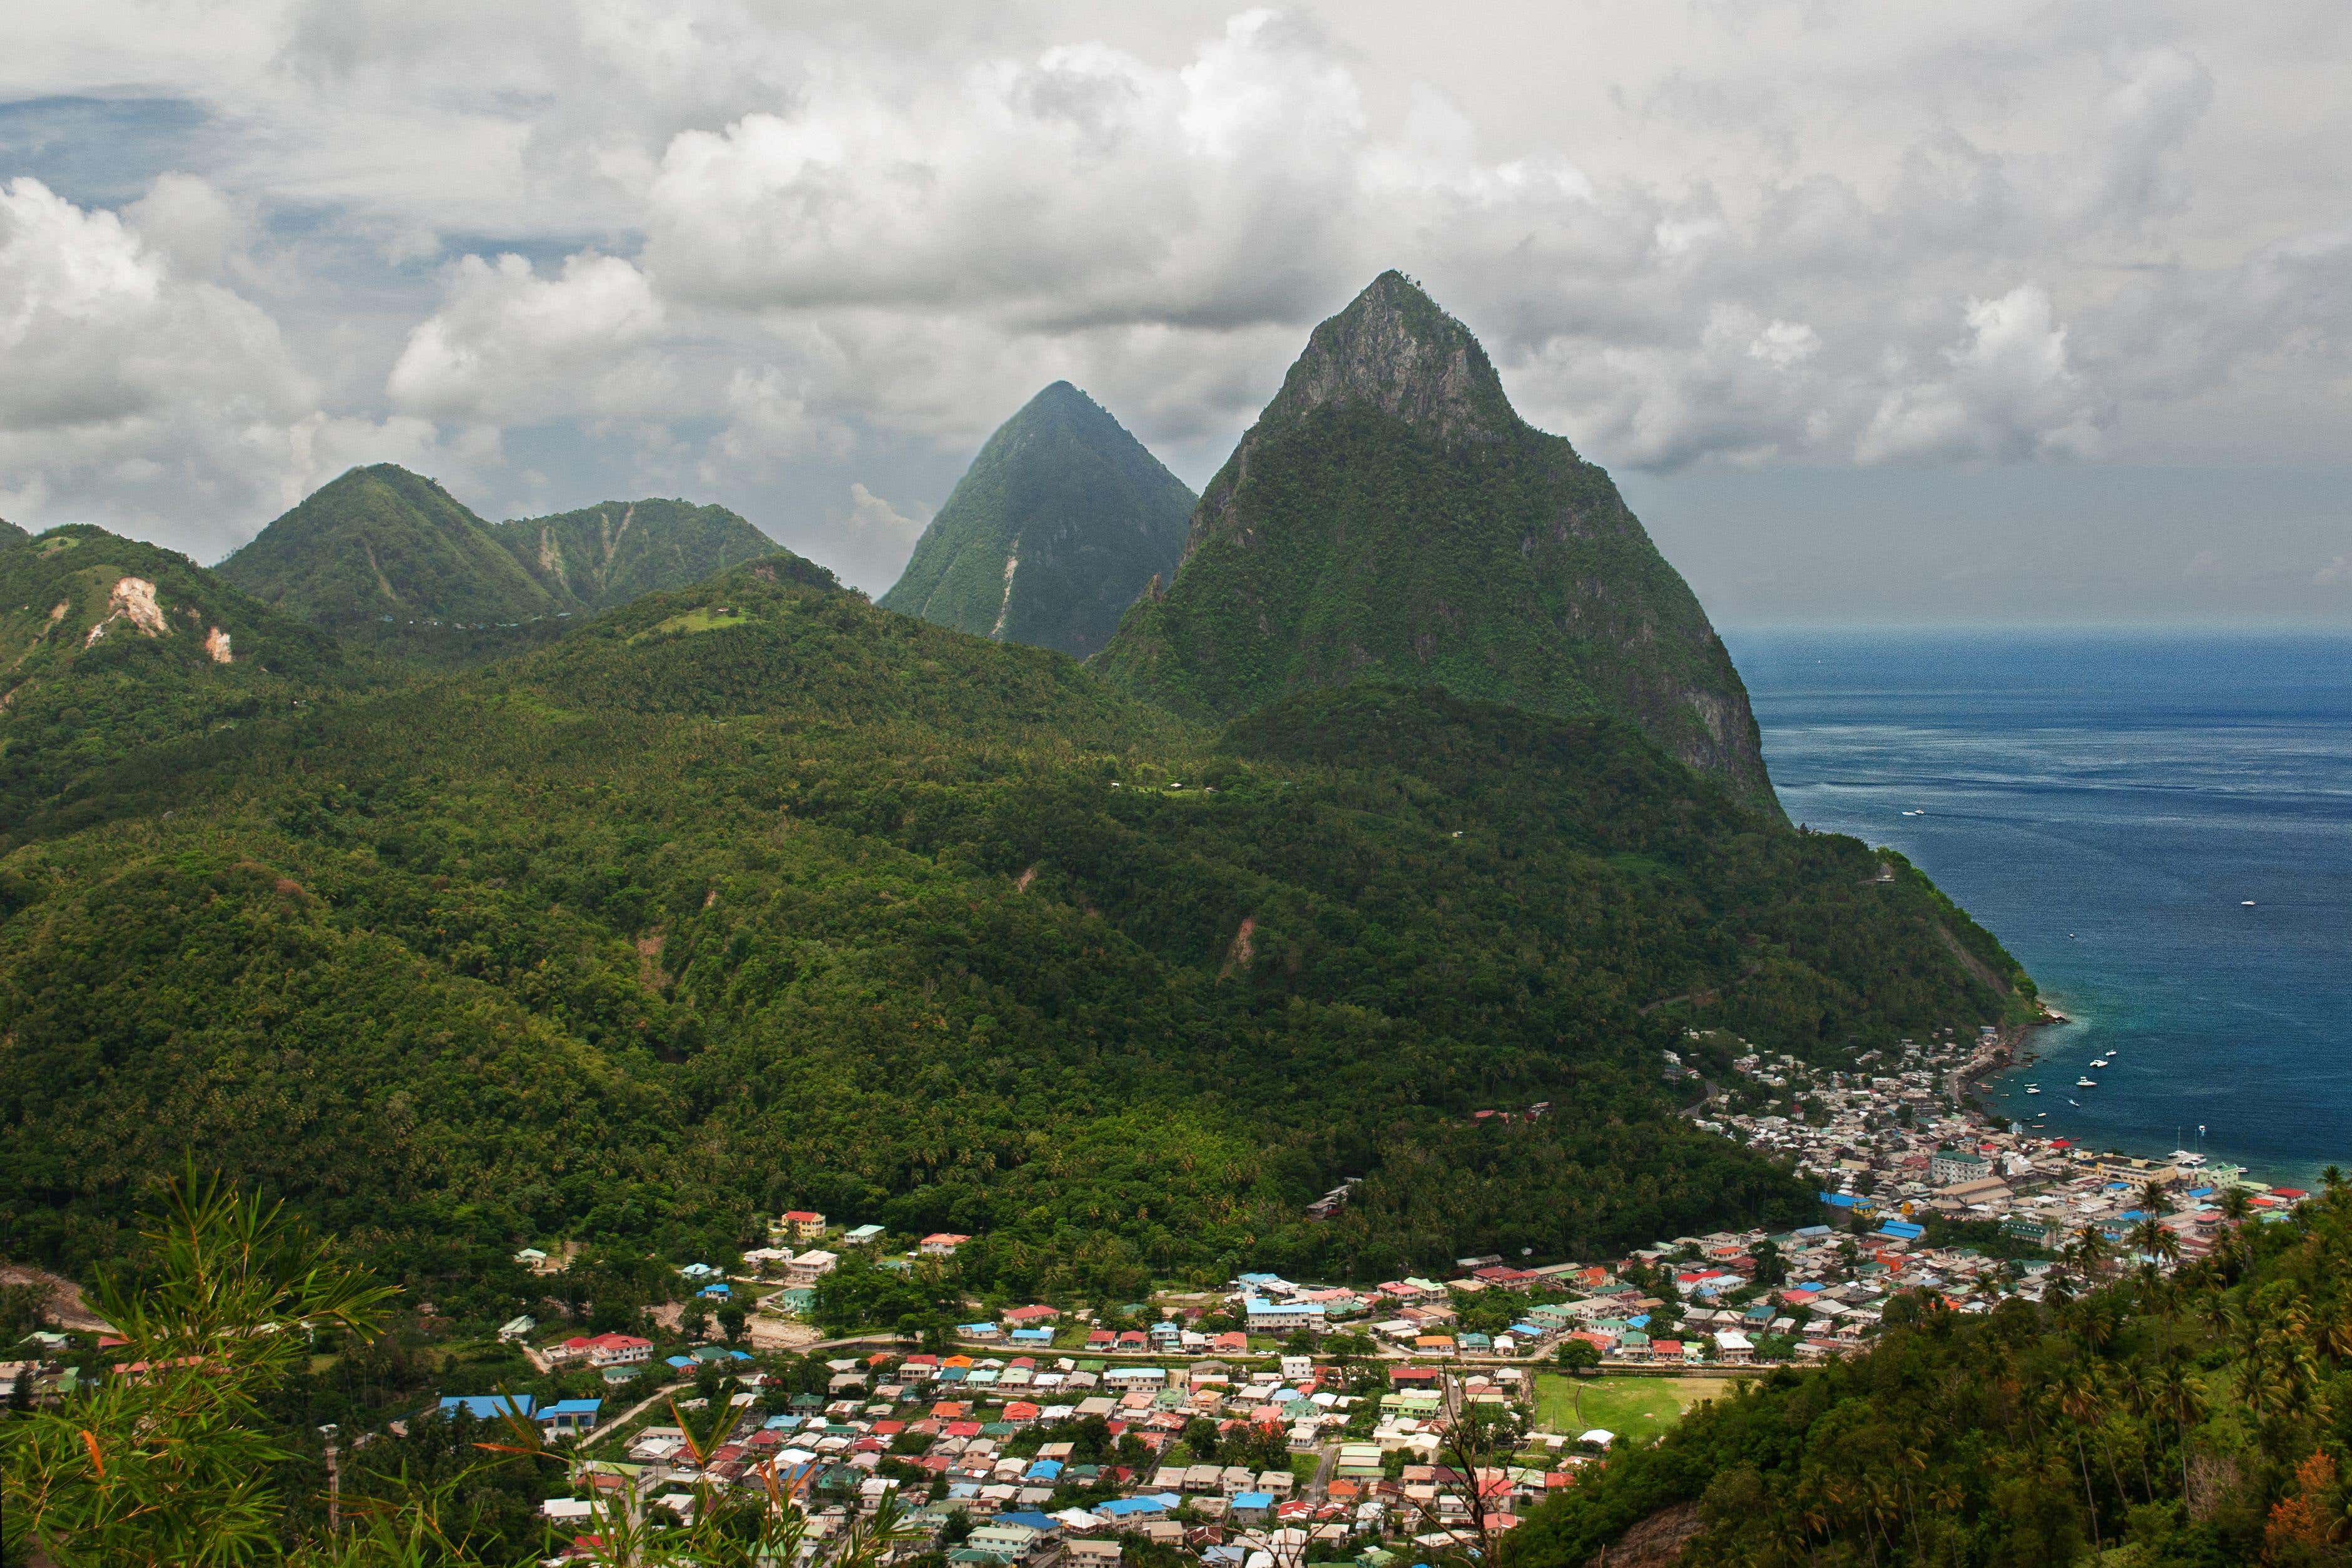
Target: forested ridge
(754,894)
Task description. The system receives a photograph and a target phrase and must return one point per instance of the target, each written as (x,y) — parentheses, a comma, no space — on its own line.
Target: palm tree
(2183,1398)
(2156,1242)
(2078,1401)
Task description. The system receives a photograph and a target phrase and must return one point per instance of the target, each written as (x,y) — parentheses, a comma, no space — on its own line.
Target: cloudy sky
(1993,309)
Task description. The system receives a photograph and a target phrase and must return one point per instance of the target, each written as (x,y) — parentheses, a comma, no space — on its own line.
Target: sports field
(1636,1408)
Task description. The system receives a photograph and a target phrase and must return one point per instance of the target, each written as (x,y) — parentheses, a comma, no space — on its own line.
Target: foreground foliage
(173,1461)
(2200,1420)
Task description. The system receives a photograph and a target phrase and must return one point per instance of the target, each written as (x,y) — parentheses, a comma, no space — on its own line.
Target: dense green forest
(2201,1419)
(755,894)
(1062,520)
(383,547)
(601,556)
(92,681)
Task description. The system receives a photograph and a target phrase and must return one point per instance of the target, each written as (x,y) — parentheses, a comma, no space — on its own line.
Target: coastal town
(1278,1421)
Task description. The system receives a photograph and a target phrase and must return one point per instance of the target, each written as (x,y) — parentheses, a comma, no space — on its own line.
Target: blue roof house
(570,1415)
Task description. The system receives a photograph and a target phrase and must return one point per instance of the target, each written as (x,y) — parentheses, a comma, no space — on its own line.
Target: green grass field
(1636,1408)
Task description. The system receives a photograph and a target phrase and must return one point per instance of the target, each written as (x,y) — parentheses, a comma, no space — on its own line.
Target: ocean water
(2158,828)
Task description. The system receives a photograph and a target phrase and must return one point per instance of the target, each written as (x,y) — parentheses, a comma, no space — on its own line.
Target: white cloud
(870,512)
(2009,394)
(510,345)
(134,396)
(832,240)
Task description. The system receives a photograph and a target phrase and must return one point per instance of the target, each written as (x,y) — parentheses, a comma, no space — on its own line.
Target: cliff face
(1390,515)
(1060,522)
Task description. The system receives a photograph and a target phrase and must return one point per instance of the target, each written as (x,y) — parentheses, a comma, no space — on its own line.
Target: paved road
(1320,1486)
(607,1428)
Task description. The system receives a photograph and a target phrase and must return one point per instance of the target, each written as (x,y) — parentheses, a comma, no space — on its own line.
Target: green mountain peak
(381,544)
(609,553)
(1389,516)
(385,552)
(1061,521)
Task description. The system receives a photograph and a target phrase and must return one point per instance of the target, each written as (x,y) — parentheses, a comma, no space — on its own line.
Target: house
(603,1349)
(1266,1316)
(794,1300)
(811,1266)
(1949,1167)
(515,1329)
(799,1224)
(567,1417)
(864,1236)
(1005,1541)
(1029,1317)
(1734,1347)
(940,1243)
(487,1406)
(1091,1554)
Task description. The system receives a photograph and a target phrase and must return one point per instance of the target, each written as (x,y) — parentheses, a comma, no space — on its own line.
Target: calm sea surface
(2159,829)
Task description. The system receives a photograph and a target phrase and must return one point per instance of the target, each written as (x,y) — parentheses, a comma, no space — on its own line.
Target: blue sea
(2158,828)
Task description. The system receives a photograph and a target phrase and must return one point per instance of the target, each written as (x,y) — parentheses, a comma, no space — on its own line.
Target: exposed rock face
(133,600)
(216,646)
(1391,516)
(1395,352)
(1656,1542)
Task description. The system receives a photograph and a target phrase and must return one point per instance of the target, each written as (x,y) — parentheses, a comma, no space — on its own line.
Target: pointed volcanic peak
(1390,517)
(1061,521)
(383,547)
(610,553)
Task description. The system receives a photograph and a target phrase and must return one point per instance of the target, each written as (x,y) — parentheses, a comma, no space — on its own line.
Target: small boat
(2245,903)
(2098,1061)
(2033,1088)
(2086,1083)
(2076,1103)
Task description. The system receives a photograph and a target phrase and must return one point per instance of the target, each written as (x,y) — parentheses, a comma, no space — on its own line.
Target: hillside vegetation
(383,547)
(391,562)
(112,650)
(1390,517)
(759,894)
(1060,522)
(2159,1422)
(607,554)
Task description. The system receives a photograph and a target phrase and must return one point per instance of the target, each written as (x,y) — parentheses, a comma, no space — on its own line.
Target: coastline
(2018,1046)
